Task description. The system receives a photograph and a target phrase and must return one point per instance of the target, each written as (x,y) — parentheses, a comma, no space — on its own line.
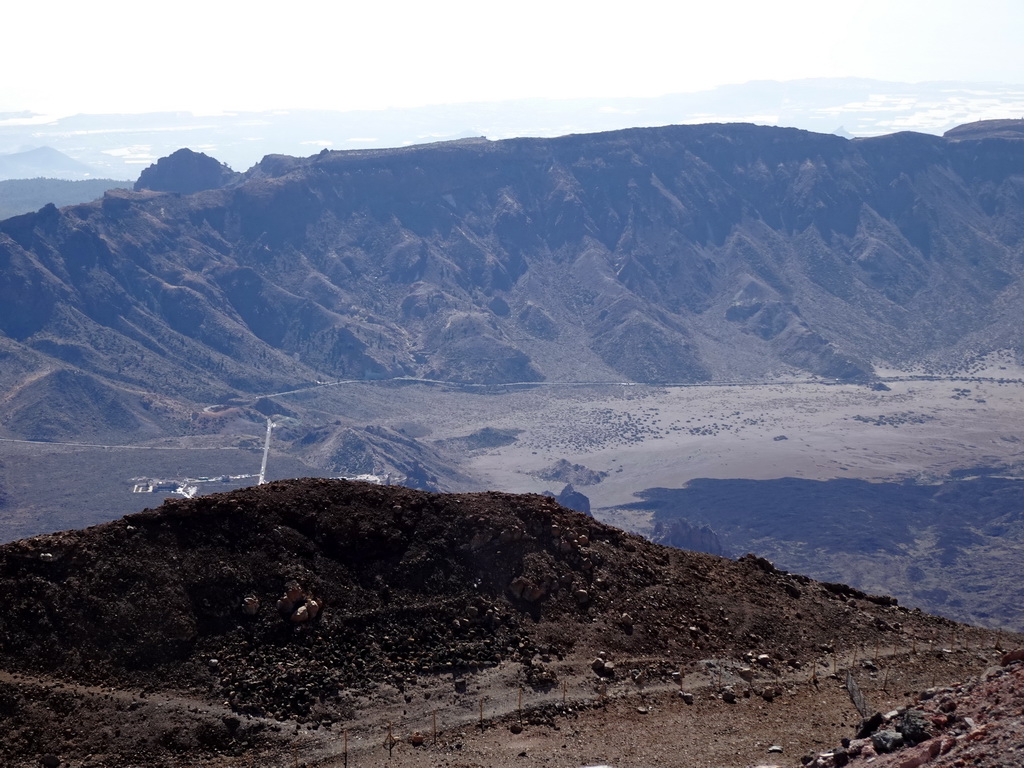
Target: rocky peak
(185,172)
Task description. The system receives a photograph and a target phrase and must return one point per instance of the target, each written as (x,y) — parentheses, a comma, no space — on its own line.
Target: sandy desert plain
(924,427)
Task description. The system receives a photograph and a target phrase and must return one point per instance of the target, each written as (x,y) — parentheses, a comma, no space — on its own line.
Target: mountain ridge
(786,248)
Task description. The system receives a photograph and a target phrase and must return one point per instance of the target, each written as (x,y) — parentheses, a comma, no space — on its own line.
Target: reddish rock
(1014,655)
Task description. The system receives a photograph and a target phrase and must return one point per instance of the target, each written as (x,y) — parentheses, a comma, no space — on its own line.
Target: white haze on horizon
(112,56)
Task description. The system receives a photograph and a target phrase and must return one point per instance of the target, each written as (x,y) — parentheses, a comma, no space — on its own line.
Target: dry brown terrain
(167,638)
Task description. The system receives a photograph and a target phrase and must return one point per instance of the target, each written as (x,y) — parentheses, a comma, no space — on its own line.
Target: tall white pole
(266,453)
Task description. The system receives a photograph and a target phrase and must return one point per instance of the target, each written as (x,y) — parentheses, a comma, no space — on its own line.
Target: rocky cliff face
(675,254)
(679,532)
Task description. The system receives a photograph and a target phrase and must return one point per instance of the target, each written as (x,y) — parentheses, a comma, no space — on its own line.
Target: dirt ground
(182,636)
(648,437)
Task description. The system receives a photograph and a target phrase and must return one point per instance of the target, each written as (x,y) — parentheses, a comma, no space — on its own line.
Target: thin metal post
(266,453)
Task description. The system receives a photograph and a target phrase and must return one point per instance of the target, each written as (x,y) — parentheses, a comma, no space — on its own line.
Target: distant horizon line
(11,117)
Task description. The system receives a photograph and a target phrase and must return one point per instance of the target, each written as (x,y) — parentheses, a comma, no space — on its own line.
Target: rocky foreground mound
(226,624)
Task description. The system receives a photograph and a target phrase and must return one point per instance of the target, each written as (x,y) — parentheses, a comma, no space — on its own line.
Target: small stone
(887,741)
(518,586)
(250,605)
(285,606)
(313,607)
(516,728)
(775,749)
(417,739)
(686,696)
(746,673)
(534,593)
(49,761)
(728,695)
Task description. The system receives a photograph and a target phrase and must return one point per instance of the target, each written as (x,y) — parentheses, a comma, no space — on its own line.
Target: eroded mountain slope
(684,253)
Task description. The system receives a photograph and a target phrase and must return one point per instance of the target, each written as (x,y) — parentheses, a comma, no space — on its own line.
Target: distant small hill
(43,162)
(19,196)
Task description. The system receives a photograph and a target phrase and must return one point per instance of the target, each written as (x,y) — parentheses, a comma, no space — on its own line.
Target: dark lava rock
(915,726)
(887,741)
(570,498)
(870,725)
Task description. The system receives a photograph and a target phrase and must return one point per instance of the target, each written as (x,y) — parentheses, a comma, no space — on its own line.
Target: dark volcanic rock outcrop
(185,172)
(405,582)
(570,498)
(295,600)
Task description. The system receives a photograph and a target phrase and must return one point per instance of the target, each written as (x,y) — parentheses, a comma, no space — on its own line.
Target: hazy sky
(61,57)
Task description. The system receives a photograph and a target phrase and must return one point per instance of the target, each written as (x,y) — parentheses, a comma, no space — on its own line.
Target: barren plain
(920,427)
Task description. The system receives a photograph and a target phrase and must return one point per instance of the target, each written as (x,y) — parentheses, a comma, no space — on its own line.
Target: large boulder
(570,498)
